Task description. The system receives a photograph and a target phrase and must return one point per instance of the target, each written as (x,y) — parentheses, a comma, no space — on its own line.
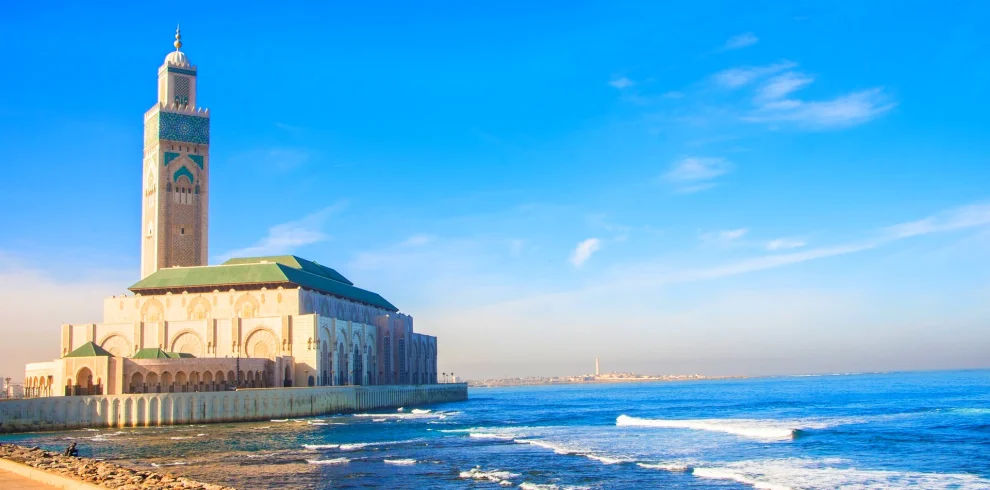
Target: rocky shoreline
(100,473)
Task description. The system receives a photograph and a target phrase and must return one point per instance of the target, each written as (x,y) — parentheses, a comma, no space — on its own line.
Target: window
(182,231)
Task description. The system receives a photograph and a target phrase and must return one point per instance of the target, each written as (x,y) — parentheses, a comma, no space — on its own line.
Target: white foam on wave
(279,420)
(317,424)
(316,447)
(420,411)
(970,411)
(535,486)
(403,415)
(607,459)
(488,435)
(496,476)
(401,462)
(354,446)
(795,473)
(378,420)
(329,461)
(556,448)
(763,430)
(673,467)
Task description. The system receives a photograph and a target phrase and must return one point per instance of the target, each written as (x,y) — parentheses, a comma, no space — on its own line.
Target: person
(71,450)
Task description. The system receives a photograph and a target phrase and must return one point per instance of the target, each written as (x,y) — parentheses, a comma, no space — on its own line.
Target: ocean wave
(328,461)
(794,473)
(556,448)
(487,435)
(317,424)
(764,430)
(403,415)
(354,446)
(496,476)
(535,486)
(420,411)
(315,447)
(970,411)
(401,462)
(607,459)
(672,467)
(378,420)
(279,420)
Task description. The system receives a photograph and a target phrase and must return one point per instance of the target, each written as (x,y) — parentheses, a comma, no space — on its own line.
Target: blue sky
(711,187)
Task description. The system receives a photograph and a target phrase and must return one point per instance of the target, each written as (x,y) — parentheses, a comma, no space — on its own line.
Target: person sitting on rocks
(71,450)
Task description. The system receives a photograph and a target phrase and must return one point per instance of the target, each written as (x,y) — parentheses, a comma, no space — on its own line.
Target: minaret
(597,373)
(176,174)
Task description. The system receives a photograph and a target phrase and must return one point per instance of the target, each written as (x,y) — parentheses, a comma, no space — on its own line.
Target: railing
(79,390)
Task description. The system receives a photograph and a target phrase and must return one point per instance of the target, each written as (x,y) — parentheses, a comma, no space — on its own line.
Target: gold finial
(178,38)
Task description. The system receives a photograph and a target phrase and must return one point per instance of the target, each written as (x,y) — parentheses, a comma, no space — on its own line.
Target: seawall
(156,409)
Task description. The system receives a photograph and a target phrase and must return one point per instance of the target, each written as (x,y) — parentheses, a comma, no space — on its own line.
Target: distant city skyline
(795,190)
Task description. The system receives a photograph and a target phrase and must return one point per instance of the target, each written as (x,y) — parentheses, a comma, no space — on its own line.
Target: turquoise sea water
(925,430)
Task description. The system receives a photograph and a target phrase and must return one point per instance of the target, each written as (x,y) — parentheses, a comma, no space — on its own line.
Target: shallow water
(929,430)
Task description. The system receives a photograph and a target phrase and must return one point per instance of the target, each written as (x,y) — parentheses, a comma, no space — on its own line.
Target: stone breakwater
(100,473)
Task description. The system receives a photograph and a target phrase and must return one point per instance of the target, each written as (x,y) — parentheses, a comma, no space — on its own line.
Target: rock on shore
(100,473)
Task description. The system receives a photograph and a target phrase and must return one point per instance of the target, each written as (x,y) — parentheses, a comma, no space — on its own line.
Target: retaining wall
(154,409)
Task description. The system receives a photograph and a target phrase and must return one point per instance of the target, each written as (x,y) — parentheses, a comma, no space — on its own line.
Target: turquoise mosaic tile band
(182,71)
(169,156)
(182,171)
(184,127)
(198,159)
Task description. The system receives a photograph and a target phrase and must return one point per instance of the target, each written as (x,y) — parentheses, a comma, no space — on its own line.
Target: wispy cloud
(723,237)
(621,83)
(959,218)
(287,237)
(842,111)
(739,77)
(782,85)
(785,244)
(417,240)
(584,250)
(695,174)
(741,41)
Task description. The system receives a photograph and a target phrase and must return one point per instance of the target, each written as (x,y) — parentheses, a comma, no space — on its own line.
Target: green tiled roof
(283,270)
(295,263)
(156,353)
(89,349)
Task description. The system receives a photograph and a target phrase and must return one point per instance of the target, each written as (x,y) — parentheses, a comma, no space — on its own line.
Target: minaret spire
(178,38)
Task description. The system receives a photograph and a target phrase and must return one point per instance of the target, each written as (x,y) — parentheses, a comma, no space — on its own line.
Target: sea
(850,431)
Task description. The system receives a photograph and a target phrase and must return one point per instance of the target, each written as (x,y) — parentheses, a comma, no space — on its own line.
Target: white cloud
(741,41)
(584,250)
(723,237)
(287,237)
(782,85)
(785,243)
(738,77)
(694,174)
(621,83)
(954,219)
(844,110)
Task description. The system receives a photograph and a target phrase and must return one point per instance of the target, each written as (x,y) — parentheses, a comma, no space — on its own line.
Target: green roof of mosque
(156,353)
(288,270)
(295,263)
(89,349)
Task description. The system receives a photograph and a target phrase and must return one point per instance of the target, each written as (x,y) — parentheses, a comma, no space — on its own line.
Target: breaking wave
(794,473)
(763,430)
(401,462)
(495,476)
(316,447)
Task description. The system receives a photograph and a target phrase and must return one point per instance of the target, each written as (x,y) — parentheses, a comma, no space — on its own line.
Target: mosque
(255,322)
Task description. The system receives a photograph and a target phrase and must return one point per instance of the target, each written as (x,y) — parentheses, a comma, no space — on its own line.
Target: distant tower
(597,372)
(176,173)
